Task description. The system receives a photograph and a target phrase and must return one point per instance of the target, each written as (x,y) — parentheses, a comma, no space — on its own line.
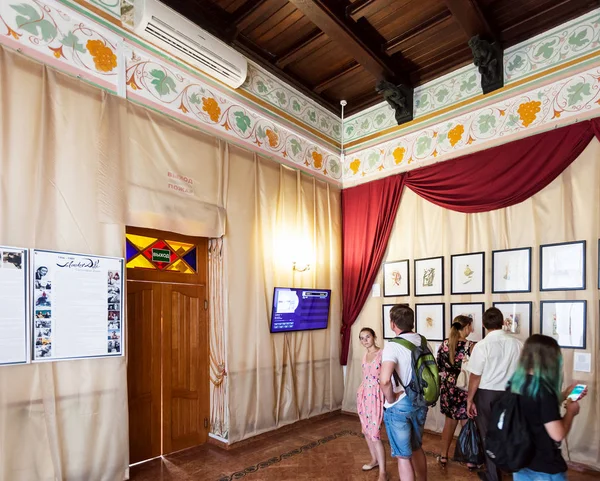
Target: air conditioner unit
(165,28)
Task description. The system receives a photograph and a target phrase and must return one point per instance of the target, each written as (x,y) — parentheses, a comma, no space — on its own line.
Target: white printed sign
(13,302)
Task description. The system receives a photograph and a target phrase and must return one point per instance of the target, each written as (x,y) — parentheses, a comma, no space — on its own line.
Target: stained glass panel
(130,250)
(153,253)
(140,241)
(190,258)
(180,266)
(180,247)
(140,262)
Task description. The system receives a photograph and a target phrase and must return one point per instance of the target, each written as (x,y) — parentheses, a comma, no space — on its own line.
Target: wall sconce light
(301,269)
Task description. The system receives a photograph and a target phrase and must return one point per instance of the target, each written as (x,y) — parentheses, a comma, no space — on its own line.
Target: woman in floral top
(453,401)
(369,402)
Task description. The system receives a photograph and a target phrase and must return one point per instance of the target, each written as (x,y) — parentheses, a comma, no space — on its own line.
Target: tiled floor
(329,449)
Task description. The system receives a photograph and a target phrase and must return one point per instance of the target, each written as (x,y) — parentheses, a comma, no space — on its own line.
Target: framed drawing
(396,279)
(517,318)
(385,316)
(562,266)
(430,321)
(429,276)
(468,273)
(565,321)
(474,310)
(511,270)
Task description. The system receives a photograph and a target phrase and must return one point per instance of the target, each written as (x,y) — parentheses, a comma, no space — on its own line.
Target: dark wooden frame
(494,291)
(415,276)
(443,318)
(482,304)
(407,261)
(529,303)
(577,301)
(452,257)
(583,279)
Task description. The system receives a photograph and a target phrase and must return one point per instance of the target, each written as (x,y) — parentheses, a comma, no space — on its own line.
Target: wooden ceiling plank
(336,77)
(343,32)
(307,45)
(246,9)
(470,17)
(395,45)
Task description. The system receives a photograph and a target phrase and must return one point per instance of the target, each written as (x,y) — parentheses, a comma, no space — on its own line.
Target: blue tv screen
(299,309)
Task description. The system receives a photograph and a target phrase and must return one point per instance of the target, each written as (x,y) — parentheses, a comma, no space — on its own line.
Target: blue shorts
(404,425)
(529,475)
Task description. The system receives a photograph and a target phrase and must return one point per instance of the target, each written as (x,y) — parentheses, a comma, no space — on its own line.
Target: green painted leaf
(195,99)
(513,120)
(30,20)
(312,115)
(469,84)
(336,129)
(71,40)
(296,106)
(262,88)
(242,121)
(486,123)
(349,130)
(373,159)
(365,124)
(379,119)
(441,95)
(296,147)
(578,40)
(281,98)
(334,166)
(546,50)
(261,133)
(442,137)
(423,145)
(577,91)
(324,124)
(163,84)
(517,63)
(424,101)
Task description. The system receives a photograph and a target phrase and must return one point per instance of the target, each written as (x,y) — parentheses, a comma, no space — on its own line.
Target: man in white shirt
(492,364)
(404,416)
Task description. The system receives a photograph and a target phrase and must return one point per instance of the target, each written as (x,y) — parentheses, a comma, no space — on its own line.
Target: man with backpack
(410,383)
(492,363)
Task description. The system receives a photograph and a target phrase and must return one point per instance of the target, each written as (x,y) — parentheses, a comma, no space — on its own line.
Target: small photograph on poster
(42,323)
(114,315)
(114,278)
(114,307)
(42,273)
(114,325)
(12,260)
(114,347)
(114,335)
(43,351)
(43,314)
(45,284)
(114,295)
(42,298)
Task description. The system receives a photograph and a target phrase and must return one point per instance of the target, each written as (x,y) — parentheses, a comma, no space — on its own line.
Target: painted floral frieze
(542,107)
(178,93)
(51,30)
(109,6)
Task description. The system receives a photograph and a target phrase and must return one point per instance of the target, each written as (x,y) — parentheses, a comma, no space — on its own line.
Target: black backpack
(508,441)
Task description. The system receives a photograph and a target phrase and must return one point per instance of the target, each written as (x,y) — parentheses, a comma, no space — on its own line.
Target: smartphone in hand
(576,392)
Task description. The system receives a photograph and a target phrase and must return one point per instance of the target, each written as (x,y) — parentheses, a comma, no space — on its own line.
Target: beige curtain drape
(276,216)
(566,210)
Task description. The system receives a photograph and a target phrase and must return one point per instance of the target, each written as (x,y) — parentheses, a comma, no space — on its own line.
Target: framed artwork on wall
(396,278)
(474,310)
(511,270)
(468,273)
(598,263)
(517,318)
(562,266)
(430,320)
(565,321)
(385,319)
(429,276)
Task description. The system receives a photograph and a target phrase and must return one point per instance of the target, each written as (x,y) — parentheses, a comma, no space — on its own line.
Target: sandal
(443,460)
(472,468)
(369,467)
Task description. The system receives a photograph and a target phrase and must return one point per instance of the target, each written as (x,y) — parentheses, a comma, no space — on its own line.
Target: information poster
(13,302)
(77,306)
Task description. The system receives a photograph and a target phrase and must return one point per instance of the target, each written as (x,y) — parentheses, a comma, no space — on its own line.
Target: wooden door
(144,369)
(185,367)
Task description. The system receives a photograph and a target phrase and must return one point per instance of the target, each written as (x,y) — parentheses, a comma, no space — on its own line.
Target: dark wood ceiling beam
(245,10)
(336,77)
(360,8)
(302,49)
(365,51)
(396,44)
(471,19)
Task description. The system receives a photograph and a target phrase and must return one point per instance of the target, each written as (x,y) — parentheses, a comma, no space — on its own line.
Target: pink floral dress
(369,398)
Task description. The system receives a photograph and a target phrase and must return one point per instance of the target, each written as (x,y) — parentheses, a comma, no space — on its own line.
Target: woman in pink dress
(369,402)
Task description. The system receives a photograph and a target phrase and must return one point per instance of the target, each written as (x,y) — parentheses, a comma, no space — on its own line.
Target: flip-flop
(443,460)
(369,467)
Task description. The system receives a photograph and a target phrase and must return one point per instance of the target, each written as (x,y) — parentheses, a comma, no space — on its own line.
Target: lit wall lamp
(301,269)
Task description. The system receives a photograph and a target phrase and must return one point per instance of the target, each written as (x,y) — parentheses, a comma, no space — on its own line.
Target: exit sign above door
(161,255)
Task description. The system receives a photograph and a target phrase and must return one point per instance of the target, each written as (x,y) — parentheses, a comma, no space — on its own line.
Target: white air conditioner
(167,29)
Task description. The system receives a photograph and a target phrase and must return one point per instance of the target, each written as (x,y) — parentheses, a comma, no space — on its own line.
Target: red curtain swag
(488,180)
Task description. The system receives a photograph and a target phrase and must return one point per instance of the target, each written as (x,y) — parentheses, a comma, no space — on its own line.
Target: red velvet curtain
(479,182)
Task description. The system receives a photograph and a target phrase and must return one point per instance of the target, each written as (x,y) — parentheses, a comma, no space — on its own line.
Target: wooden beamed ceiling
(339,49)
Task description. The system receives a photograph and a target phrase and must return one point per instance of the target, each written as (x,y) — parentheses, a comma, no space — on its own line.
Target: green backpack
(424,385)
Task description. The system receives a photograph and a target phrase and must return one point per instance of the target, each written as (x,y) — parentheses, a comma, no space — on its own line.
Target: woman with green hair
(538,380)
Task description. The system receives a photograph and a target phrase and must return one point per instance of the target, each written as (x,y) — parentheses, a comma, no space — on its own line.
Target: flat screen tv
(299,309)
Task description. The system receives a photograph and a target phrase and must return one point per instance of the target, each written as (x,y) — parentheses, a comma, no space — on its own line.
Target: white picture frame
(468,273)
(430,321)
(562,266)
(473,310)
(518,320)
(429,276)
(388,333)
(565,321)
(511,270)
(396,278)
